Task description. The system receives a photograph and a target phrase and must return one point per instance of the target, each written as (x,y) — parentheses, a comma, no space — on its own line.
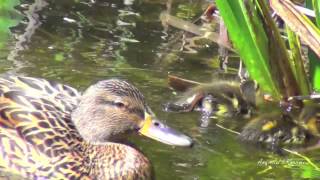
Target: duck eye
(119,104)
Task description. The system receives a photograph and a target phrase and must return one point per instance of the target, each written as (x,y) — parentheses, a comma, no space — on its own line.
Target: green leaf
(316,6)
(279,59)
(259,43)
(248,37)
(296,62)
(314,70)
(314,60)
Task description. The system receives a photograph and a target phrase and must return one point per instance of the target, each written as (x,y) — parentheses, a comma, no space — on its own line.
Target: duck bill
(158,131)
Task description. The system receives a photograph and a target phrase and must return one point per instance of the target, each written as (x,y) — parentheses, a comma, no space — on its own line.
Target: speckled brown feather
(39,140)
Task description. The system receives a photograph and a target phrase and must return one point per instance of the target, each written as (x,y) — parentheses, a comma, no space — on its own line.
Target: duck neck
(116,161)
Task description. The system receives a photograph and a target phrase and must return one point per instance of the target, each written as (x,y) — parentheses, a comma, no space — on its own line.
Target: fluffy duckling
(278,129)
(219,98)
(274,129)
(309,119)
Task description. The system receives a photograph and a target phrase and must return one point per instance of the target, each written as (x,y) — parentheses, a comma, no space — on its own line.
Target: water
(79,42)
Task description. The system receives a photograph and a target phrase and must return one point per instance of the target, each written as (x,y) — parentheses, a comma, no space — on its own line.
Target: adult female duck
(49,131)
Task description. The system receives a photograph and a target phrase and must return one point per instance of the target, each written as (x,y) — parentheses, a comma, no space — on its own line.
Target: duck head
(112,108)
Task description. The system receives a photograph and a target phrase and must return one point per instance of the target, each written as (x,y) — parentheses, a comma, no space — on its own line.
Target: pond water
(79,42)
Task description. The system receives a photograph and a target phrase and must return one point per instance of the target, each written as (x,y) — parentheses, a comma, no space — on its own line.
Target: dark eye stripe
(137,111)
(112,103)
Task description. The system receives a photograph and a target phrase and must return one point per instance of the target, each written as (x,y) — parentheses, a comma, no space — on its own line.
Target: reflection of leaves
(303,168)
(8,18)
(59,57)
(305,171)
(310,172)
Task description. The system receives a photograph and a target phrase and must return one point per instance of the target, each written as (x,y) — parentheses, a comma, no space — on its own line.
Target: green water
(79,42)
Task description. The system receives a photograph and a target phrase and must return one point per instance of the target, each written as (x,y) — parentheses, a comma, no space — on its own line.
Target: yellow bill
(156,130)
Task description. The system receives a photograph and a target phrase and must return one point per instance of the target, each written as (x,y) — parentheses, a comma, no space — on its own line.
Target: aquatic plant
(258,41)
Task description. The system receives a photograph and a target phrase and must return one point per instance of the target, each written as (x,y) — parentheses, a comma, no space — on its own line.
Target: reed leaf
(298,22)
(316,6)
(314,60)
(249,39)
(258,42)
(279,59)
(297,62)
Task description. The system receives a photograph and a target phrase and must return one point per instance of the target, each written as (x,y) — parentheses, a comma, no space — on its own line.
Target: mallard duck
(50,131)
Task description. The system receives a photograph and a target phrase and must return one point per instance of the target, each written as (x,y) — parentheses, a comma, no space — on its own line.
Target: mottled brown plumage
(48,130)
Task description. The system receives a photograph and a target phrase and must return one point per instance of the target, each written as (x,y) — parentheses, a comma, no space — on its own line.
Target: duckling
(49,130)
(279,128)
(220,98)
(309,119)
(274,130)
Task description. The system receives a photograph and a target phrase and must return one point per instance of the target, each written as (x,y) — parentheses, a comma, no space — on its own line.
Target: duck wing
(36,131)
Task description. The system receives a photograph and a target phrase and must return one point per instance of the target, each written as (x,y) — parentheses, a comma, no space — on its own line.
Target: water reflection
(80,42)
(32,23)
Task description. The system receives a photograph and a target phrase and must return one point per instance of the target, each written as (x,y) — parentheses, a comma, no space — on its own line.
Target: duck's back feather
(36,128)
